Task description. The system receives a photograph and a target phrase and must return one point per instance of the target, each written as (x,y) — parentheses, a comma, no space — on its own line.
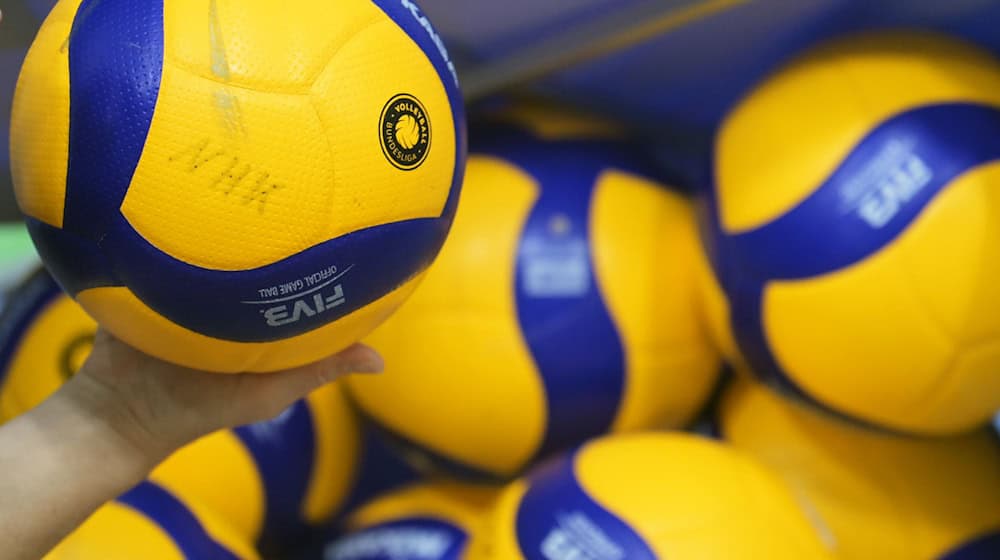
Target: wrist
(103,421)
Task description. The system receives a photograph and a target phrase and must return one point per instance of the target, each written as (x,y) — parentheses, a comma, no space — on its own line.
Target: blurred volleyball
(852,227)
(877,495)
(562,306)
(649,496)
(235,194)
(432,520)
(44,339)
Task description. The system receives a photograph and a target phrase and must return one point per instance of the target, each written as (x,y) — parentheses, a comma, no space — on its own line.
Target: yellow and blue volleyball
(563,306)
(44,339)
(432,520)
(876,495)
(271,481)
(238,185)
(151,523)
(651,496)
(851,226)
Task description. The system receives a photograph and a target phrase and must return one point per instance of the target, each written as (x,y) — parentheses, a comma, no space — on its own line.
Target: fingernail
(367,361)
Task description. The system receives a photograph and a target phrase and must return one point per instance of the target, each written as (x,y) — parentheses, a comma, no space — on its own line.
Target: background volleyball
(803,189)
(651,496)
(563,303)
(438,519)
(231,196)
(876,495)
(852,230)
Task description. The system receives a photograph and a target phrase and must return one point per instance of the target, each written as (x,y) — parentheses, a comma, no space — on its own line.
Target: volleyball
(649,496)
(430,520)
(254,186)
(852,230)
(874,494)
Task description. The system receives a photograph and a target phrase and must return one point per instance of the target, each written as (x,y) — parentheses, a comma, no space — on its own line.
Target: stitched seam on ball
(333,161)
(297,91)
(361,29)
(304,88)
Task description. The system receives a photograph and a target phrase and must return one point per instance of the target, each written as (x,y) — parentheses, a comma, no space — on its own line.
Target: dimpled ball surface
(219,183)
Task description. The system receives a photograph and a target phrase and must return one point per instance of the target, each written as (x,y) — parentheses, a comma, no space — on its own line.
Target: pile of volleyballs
(264,193)
(848,263)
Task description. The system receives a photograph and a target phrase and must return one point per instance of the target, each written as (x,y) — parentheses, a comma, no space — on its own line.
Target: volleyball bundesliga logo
(405,131)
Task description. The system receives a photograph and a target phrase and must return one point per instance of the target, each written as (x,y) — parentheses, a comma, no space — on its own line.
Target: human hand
(155,407)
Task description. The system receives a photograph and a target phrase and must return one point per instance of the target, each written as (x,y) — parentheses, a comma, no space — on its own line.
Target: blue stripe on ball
(284,451)
(564,320)
(76,262)
(554,509)
(176,520)
(227,304)
(412,537)
(827,232)
(824,232)
(115,64)
(363,266)
(563,317)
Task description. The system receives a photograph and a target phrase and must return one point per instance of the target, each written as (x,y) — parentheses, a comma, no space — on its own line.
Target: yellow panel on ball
(39,132)
(650,496)
(564,305)
(852,228)
(235,186)
(875,494)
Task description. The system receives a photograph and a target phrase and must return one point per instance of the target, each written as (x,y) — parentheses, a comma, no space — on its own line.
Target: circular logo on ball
(406,132)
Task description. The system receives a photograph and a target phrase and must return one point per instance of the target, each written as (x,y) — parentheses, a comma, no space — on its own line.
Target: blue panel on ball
(564,320)
(290,297)
(23,308)
(869,200)
(76,262)
(115,65)
(176,520)
(558,519)
(413,538)
(986,547)
(283,450)
(873,196)
(380,469)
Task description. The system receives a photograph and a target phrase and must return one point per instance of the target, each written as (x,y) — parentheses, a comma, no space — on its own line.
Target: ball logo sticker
(405,132)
